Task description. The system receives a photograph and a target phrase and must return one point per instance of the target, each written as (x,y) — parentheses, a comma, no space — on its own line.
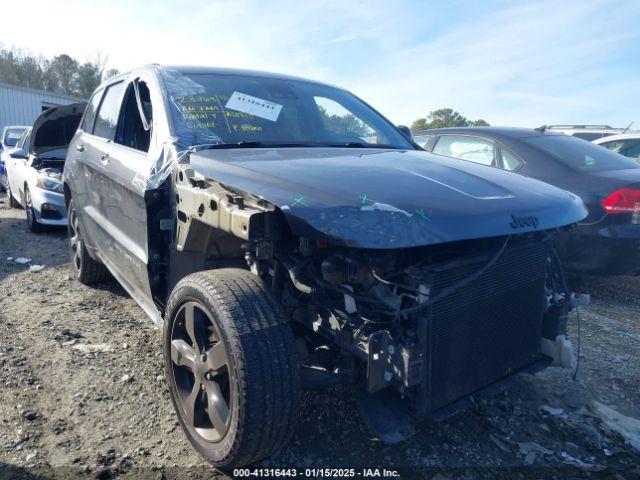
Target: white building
(21,106)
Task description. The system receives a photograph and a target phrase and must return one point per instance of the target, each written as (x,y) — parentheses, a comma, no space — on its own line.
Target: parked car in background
(277,243)
(5,157)
(34,171)
(8,139)
(608,240)
(627,144)
(585,132)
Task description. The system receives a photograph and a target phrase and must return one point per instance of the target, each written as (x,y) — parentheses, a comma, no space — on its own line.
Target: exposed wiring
(575,373)
(456,286)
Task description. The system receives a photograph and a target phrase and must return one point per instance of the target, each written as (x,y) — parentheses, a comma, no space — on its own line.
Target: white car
(9,138)
(34,171)
(627,144)
(585,132)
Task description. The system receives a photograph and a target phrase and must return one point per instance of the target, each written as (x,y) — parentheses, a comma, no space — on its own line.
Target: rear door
(116,155)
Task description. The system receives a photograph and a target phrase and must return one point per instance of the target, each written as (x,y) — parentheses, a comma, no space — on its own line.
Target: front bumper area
(49,207)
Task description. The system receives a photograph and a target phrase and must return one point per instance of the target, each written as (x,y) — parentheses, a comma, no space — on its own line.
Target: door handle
(80,147)
(104,158)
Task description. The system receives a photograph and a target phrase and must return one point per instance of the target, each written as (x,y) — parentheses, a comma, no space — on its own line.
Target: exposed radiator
(488,329)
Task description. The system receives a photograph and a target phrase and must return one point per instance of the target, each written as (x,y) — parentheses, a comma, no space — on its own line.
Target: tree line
(60,74)
(445,117)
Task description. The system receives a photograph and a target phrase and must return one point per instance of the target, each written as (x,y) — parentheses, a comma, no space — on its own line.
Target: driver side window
(134,131)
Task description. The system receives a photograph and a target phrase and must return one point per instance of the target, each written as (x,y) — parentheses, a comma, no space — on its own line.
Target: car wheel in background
(86,269)
(12,202)
(32,222)
(231,365)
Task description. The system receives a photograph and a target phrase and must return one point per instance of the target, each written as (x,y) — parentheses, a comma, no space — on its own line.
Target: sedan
(34,171)
(608,240)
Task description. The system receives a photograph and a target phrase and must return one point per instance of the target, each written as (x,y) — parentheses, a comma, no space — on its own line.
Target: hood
(390,198)
(55,127)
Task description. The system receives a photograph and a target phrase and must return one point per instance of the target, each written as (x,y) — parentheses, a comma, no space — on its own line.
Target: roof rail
(561,127)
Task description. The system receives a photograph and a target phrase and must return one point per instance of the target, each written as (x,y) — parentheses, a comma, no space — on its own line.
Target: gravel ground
(82,392)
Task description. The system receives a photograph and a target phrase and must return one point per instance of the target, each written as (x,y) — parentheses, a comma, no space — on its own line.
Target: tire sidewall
(33,224)
(77,272)
(215,452)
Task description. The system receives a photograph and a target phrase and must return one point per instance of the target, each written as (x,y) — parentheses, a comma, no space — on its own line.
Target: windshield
(11,136)
(209,109)
(580,155)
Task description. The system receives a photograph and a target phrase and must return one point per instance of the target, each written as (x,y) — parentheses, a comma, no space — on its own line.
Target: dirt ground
(82,392)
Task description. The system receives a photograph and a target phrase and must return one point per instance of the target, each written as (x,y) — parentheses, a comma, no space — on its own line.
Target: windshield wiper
(247,144)
(360,145)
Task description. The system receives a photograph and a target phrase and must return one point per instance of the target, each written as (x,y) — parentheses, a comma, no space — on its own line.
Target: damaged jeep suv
(285,235)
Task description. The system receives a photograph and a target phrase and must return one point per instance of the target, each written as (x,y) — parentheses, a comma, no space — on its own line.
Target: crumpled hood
(381,198)
(55,128)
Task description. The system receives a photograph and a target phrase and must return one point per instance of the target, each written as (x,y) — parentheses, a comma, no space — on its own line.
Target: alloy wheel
(75,241)
(202,372)
(31,217)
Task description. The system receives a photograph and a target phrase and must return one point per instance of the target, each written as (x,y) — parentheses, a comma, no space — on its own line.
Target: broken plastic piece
(560,350)
(35,268)
(22,260)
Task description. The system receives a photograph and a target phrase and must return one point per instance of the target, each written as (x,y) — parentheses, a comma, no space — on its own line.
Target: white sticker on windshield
(254,106)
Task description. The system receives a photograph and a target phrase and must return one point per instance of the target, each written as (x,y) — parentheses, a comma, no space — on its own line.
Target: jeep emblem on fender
(521,222)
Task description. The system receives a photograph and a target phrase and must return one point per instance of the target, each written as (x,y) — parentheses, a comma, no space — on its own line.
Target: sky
(512,63)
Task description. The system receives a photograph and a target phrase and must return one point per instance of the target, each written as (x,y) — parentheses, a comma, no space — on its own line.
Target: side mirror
(18,153)
(406,131)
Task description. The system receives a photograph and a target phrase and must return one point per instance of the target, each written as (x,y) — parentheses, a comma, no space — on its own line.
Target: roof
(496,132)
(41,92)
(202,70)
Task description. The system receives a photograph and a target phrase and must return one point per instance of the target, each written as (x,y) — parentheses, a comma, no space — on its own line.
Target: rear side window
(107,117)
(90,114)
(464,147)
(580,155)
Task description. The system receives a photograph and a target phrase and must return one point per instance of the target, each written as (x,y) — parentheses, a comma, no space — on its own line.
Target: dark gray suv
(285,235)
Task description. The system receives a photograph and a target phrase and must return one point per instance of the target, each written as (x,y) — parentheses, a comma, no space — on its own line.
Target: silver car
(34,168)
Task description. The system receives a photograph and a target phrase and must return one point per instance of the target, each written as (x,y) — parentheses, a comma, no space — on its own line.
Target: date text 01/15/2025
(315,473)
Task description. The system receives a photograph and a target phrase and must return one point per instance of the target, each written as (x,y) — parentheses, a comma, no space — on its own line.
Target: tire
(259,384)
(32,223)
(12,202)
(86,269)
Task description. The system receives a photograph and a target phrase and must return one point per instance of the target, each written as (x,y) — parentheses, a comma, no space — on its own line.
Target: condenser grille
(488,329)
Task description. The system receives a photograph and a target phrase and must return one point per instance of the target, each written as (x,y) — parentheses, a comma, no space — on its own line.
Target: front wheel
(232,367)
(32,222)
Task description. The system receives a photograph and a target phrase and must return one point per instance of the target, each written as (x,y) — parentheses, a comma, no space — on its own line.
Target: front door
(115,157)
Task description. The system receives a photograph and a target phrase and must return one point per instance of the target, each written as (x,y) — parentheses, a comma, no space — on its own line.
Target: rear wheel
(232,368)
(32,222)
(86,269)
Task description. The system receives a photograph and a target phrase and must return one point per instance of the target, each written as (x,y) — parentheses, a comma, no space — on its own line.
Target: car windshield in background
(236,110)
(580,155)
(11,136)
